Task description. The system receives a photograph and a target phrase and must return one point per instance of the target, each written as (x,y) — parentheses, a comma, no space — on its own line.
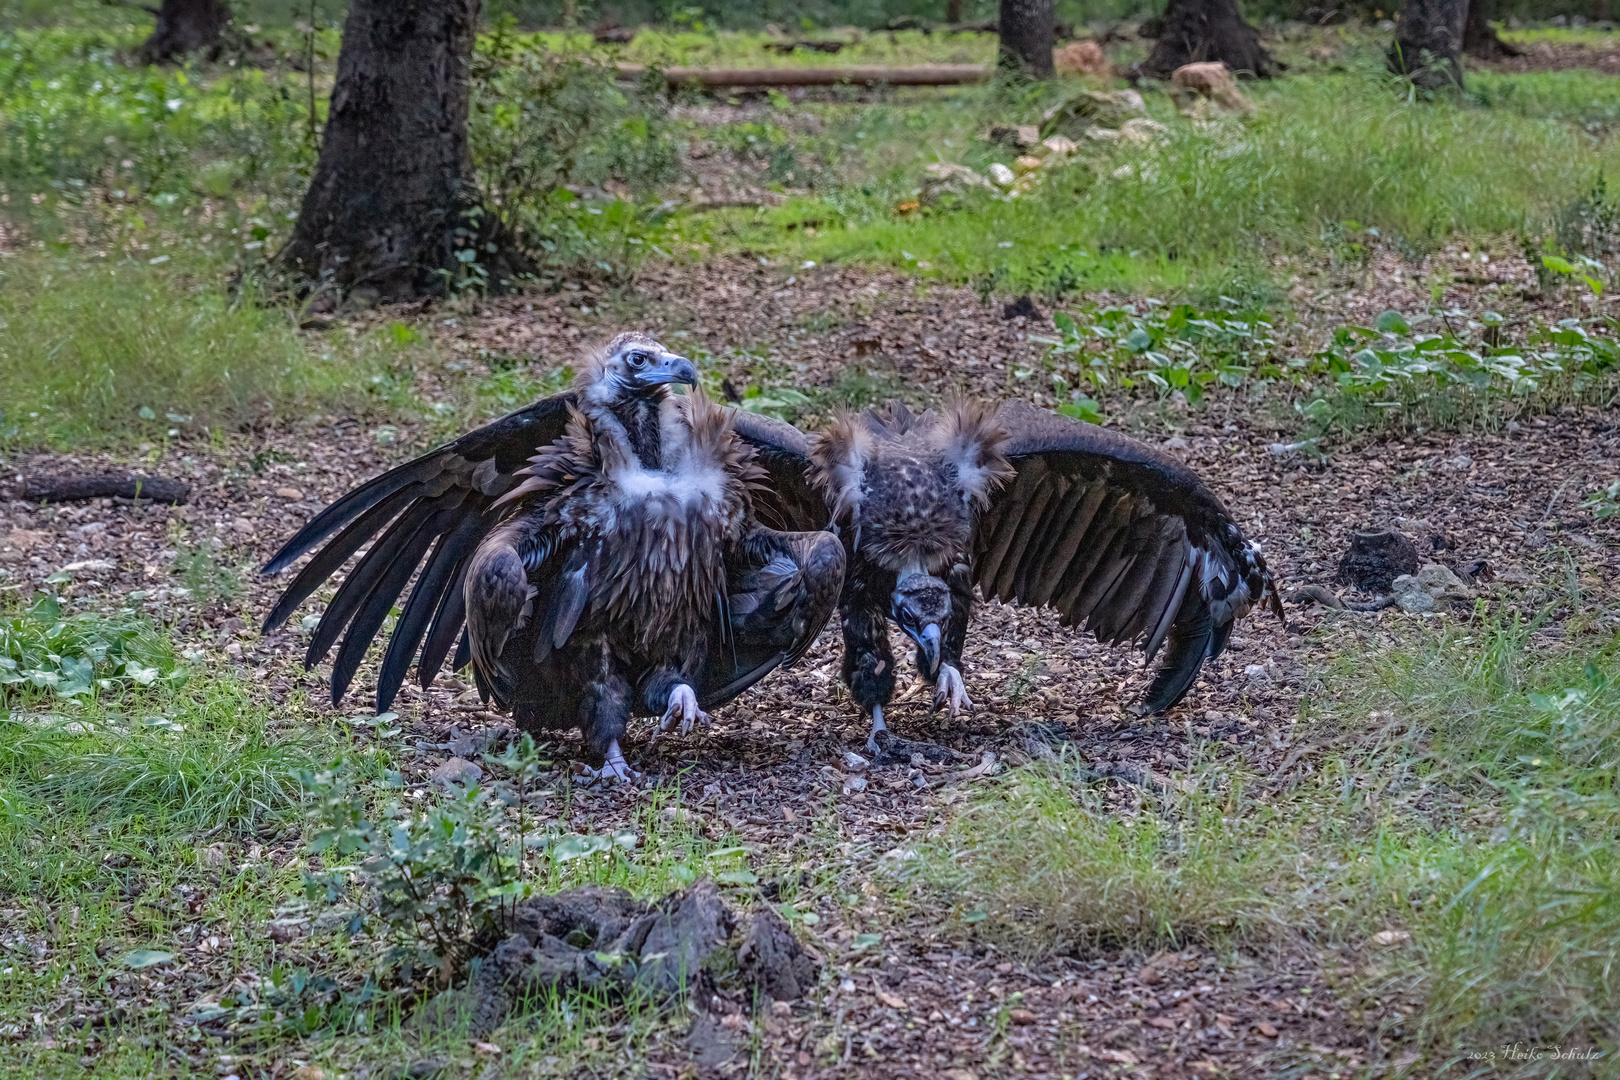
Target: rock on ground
(1212,82)
(603,939)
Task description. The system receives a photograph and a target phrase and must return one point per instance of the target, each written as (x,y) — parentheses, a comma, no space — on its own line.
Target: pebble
(289,493)
(457,771)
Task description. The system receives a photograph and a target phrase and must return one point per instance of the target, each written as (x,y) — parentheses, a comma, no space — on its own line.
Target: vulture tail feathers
(1187,646)
(334,555)
(1171,609)
(464,656)
(358,585)
(447,622)
(425,600)
(373,611)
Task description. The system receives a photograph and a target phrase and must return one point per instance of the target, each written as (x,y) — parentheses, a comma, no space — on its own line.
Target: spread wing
(436,507)
(1121,538)
(790,504)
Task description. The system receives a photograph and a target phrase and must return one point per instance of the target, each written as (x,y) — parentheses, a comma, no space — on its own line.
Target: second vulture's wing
(1119,537)
(440,501)
(790,504)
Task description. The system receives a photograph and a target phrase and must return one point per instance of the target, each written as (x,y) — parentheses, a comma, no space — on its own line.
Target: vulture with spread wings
(596,555)
(1029,506)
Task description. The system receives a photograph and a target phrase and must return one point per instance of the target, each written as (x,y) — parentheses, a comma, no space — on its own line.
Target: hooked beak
(668,368)
(927,640)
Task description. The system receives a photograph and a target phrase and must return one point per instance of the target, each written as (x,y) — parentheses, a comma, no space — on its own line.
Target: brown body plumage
(600,547)
(1027,506)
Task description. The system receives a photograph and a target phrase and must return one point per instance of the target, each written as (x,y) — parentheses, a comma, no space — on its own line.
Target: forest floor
(911,988)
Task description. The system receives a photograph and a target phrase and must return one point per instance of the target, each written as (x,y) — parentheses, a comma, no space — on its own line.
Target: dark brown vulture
(596,554)
(1031,507)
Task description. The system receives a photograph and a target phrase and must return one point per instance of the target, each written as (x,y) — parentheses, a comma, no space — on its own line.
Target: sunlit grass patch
(1458,833)
(100,352)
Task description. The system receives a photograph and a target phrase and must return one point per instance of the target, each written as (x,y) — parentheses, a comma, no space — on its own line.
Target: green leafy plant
(1604,503)
(72,656)
(1169,347)
(1390,366)
(430,878)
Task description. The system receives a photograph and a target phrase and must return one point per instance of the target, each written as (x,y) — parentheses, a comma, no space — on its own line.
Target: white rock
(1001,174)
(854,763)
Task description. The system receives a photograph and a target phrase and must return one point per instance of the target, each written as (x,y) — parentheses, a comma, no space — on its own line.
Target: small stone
(234,650)
(854,763)
(1022,1017)
(1256,673)
(1386,938)
(1148,976)
(1265,1028)
(243,527)
(1001,175)
(1081,58)
(289,493)
(854,784)
(1059,146)
(1026,164)
(457,771)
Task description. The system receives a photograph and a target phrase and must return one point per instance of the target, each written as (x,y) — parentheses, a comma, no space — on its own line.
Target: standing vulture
(596,554)
(1028,505)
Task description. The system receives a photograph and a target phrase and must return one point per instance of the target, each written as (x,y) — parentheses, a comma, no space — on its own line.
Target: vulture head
(921,606)
(635,367)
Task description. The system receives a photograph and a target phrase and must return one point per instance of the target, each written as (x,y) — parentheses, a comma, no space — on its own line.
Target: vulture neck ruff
(656,506)
(911,486)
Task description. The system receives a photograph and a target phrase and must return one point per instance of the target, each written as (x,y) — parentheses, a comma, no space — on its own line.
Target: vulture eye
(638,359)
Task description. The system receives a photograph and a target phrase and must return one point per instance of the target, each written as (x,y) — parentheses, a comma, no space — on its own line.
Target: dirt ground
(928,1004)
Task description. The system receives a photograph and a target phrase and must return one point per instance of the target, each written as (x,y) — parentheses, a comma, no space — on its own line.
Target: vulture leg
(868,660)
(877,726)
(683,703)
(949,689)
(605,714)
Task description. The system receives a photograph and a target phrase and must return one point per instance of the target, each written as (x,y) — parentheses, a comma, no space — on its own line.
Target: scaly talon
(877,726)
(615,768)
(950,692)
(683,701)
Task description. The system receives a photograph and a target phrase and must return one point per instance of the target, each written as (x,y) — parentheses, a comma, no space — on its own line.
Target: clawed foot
(877,726)
(684,704)
(950,692)
(615,768)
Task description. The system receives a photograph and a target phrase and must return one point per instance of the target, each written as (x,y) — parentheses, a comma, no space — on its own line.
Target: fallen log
(926,75)
(113,485)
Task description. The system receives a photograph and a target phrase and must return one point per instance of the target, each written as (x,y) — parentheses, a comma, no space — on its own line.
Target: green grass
(114,350)
(1464,805)
(1213,211)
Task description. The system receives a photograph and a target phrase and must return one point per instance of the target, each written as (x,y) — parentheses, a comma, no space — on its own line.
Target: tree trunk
(184,26)
(1479,36)
(1026,37)
(1195,31)
(953,11)
(1428,43)
(392,200)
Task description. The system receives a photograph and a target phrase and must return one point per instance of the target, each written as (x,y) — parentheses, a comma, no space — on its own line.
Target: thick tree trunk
(1479,36)
(1195,31)
(389,206)
(1428,43)
(953,11)
(184,26)
(1026,37)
